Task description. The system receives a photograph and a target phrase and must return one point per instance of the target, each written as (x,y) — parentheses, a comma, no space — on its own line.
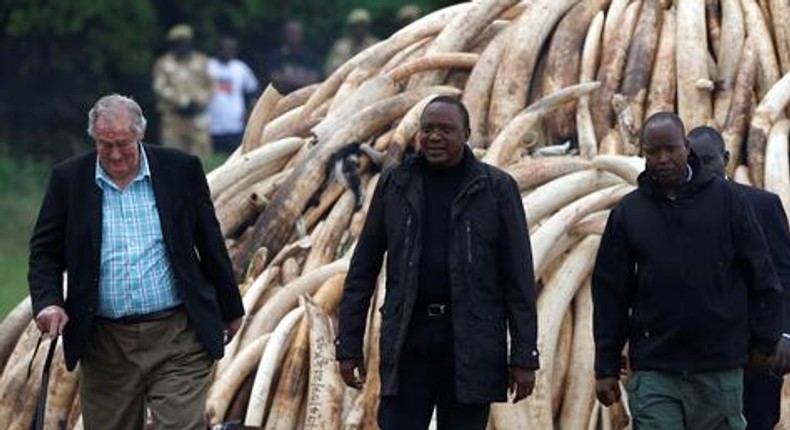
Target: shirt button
(646,334)
(91,309)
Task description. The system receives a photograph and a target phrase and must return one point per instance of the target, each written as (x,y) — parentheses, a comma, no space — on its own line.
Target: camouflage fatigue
(177,85)
(344,49)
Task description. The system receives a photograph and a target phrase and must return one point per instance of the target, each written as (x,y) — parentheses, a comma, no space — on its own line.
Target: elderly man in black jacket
(459,276)
(762,388)
(151,294)
(684,275)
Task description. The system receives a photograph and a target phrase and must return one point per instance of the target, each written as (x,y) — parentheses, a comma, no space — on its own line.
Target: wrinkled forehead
(113,127)
(443,113)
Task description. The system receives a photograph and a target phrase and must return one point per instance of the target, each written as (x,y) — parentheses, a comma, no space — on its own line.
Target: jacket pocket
(736,422)
(482,275)
(388,333)
(731,389)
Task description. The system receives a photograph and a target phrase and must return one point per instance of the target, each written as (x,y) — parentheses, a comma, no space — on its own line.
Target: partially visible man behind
(293,65)
(151,293)
(681,268)
(359,38)
(234,85)
(762,387)
(183,89)
(459,277)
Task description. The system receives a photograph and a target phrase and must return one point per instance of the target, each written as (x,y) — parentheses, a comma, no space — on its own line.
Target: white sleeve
(249,83)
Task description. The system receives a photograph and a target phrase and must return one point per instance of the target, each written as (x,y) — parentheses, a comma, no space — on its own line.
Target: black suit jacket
(67,237)
(771,217)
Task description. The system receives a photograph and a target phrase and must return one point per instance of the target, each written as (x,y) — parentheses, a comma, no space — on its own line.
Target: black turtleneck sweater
(440,188)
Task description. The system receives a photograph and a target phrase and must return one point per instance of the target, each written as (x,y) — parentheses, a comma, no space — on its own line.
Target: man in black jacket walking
(762,388)
(681,269)
(459,276)
(151,297)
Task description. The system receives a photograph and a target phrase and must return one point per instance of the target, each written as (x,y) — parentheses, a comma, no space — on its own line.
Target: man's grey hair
(111,106)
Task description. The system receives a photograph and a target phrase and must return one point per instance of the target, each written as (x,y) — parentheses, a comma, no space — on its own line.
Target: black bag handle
(41,403)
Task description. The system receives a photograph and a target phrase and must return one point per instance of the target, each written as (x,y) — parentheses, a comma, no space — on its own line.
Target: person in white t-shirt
(234,84)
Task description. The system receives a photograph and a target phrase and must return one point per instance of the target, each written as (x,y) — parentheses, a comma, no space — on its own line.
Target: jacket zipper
(408,243)
(468,242)
(408,230)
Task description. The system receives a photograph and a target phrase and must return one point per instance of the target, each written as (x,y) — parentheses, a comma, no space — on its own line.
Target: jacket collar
(701,177)
(411,165)
(408,178)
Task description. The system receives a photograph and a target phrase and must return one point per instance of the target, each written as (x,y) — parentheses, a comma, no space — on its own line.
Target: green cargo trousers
(686,401)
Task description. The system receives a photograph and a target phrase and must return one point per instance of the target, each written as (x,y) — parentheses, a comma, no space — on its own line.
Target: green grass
(22,185)
(213,161)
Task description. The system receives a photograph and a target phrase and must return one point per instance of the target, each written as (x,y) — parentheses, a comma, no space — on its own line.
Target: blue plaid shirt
(136,276)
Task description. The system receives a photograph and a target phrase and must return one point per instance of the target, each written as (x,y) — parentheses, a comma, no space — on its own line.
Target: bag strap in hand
(41,404)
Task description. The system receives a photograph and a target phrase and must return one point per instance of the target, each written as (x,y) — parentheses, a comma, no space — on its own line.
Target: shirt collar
(144,171)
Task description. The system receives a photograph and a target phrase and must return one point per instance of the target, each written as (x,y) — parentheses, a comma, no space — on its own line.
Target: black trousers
(761,400)
(426,378)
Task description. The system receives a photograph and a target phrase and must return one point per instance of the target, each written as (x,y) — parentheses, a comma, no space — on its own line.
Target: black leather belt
(437,310)
(141,318)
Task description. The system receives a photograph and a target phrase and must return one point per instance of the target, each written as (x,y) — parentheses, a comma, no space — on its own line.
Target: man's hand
(51,321)
(781,364)
(231,328)
(353,372)
(607,390)
(760,362)
(522,382)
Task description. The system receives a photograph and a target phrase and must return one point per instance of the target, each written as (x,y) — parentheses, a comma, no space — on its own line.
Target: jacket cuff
(607,365)
(607,373)
(347,349)
(525,359)
(46,300)
(232,311)
(765,347)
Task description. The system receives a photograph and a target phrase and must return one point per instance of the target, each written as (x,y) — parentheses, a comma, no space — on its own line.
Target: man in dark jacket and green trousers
(459,276)
(684,275)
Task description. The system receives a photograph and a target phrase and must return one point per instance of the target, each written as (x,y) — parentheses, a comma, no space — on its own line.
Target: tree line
(58,56)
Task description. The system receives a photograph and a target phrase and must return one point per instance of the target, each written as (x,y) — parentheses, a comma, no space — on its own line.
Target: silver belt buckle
(436,310)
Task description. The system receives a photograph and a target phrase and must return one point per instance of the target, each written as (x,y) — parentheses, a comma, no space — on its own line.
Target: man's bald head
(661,119)
(708,145)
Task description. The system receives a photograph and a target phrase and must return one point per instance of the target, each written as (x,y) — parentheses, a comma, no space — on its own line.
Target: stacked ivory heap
(535,75)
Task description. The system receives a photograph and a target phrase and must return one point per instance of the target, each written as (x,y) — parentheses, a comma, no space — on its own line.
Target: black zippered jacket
(772,220)
(490,271)
(687,282)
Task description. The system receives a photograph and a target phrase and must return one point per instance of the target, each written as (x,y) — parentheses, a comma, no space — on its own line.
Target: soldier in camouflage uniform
(183,89)
(359,39)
